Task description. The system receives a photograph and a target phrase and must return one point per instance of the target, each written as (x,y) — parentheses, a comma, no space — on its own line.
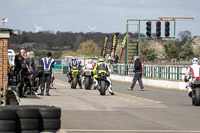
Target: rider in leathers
(38,68)
(73,64)
(20,65)
(194,69)
(88,66)
(48,63)
(101,65)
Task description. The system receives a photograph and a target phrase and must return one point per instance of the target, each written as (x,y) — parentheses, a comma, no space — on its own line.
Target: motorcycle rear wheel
(103,88)
(197,97)
(87,83)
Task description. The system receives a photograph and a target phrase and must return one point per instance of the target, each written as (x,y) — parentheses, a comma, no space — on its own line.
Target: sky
(108,15)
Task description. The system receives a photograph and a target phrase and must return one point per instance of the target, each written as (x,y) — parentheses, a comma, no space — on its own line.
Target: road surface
(154,110)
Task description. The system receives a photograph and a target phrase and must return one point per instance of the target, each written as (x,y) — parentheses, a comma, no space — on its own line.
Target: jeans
(138,76)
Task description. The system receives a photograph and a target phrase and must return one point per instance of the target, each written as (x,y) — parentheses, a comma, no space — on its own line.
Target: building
(34,45)
(14,46)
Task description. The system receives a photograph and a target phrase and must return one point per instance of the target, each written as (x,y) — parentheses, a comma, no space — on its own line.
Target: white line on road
(60,84)
(145,131)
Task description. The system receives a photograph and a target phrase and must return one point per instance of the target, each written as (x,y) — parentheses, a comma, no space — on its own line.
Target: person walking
(138,74)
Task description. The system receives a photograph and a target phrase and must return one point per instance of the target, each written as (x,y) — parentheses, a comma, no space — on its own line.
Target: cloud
(110,15)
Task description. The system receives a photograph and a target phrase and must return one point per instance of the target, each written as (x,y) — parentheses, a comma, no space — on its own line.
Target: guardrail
(166,72)
(169,72)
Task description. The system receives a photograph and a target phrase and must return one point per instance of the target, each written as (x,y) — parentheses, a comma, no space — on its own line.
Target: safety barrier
(169,72)
(60,69)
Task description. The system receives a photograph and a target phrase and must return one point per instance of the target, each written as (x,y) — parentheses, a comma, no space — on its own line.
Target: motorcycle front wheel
(74,83)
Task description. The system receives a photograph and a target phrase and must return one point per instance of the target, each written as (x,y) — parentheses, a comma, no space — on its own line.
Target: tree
(147,53)
(89,48)
(171,49)
(185,35)
(159,49)
(187,51)
(196,46)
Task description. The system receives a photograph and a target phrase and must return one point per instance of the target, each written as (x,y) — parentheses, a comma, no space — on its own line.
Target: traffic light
(148,33)
(158,28)
(167,28)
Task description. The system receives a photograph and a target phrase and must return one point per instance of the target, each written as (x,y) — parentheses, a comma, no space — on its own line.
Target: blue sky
(109,15)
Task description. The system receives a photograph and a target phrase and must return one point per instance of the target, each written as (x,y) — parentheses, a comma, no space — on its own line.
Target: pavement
(154,110)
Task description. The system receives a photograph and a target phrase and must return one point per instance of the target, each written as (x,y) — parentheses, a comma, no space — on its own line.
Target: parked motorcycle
(88,79)
(103,82)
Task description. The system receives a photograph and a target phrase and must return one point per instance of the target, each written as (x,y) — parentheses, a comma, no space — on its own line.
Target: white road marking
(145,131)
(60,84)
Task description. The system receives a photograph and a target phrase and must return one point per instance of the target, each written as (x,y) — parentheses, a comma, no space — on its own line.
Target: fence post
(168,72)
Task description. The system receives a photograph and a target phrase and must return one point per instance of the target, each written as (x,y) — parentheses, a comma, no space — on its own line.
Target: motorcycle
(196,91)
(75,79)
(88,78)
(103,82)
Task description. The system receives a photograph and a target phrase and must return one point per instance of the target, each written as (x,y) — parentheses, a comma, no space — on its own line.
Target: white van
(11,56)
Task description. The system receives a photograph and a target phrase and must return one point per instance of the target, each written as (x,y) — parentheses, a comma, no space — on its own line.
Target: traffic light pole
(173,19)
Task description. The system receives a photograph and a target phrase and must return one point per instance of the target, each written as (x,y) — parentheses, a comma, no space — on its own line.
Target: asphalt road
(154,110)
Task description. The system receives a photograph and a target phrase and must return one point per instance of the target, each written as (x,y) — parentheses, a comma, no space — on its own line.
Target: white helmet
(195,61)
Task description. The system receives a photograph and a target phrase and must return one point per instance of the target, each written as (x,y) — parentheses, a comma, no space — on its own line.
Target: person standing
(138,74)
(116,57)
(48,63)
(20,66)
(111,58)
(38,68)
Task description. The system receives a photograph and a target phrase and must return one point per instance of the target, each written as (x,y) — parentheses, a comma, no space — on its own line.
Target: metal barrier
(169,72)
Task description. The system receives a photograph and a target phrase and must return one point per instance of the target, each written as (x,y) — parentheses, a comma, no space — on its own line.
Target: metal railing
(169,72)
(165,72)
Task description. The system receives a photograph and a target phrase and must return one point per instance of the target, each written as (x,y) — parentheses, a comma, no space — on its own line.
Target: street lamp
(4,20)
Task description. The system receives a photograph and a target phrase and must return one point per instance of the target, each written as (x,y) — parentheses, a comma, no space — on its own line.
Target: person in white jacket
(194,70)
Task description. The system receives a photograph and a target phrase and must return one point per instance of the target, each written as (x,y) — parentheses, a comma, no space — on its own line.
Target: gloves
(108,74)
(186,79)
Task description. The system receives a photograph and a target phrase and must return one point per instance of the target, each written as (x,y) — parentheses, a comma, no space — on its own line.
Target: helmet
(195,61)
(90,61)
(101,59)
(73,57)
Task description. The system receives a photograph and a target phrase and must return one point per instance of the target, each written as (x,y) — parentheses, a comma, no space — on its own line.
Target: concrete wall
(152,82)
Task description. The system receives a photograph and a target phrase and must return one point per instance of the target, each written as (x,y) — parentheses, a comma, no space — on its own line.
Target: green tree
(187,51)
(171,49)
(147,53)
(89,48)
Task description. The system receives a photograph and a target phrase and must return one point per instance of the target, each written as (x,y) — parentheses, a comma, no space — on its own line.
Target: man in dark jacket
(138,74)
(20,66)
(38,68)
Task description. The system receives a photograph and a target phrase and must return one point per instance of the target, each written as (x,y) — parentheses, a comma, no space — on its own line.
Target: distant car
(11,56)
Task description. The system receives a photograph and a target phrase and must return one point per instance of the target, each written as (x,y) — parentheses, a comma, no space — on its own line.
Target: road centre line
(118,93)
(60,84)
(113,97)
(138,97)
